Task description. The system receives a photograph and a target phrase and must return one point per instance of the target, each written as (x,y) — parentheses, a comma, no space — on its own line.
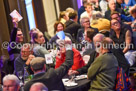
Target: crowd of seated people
(86,32)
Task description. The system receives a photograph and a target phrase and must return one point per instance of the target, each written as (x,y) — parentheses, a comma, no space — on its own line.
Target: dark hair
(91,33)
(56,25)
(72,15)
(114,19)
(84,2)
(115,12)
(35,36)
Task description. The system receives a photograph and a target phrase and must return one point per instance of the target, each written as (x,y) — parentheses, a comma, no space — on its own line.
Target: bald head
(98,38)
(38,87)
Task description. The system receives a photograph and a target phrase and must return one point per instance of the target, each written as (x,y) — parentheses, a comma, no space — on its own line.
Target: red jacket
(77,61)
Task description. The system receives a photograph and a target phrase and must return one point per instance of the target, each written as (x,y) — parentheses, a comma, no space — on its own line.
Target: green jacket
(102,73)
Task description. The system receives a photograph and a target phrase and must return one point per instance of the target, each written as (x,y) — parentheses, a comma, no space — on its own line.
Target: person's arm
(128,39)
(85,68)
(63,69)
(94,68)
(17,65)
(14,31)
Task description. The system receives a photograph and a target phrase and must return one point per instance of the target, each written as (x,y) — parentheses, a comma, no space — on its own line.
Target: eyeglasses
(9,86)
(115,23)
(86,21)
(19,34)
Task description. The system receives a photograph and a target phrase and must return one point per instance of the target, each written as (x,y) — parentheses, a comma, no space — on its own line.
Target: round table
(83,85)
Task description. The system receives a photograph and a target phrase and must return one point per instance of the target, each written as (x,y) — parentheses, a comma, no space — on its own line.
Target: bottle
(26,76)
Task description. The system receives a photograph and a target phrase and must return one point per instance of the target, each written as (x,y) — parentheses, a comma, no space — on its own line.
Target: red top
(77,61)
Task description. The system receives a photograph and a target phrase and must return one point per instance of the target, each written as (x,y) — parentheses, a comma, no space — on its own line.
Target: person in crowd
(103,6)
(63,17)
(11,83)
(134,32)
(23,60)
(85,23)
(39,46)
(128,3)
(15,39)
(99,22)
(81,9)
(118,3)
(53,77)
(4,67)
(116,15)
(122,61)
(103,70)
(132,11)
(89,11)
(38,87)
(112,7)
(61,56)
(31,32)
(58,26)
(72,26)
(123,37)
(89,46)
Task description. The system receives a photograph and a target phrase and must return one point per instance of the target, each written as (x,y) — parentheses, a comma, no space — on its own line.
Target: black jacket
(72,28)
(53,77)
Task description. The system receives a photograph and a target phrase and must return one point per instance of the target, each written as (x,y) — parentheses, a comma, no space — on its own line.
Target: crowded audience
(104,30)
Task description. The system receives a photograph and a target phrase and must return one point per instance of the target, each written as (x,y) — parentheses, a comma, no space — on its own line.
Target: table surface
(83,85)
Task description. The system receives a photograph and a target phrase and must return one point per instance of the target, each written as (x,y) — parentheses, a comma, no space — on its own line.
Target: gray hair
(11,77)
(39,86)
(82,19)
(37,63)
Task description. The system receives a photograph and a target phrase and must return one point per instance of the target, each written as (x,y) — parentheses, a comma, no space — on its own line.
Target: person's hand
(68,43)
(71,72)
(29,59)
(58,55)
(15,22)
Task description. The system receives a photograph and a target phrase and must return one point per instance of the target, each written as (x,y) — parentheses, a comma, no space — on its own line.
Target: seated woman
(58,26)
(60,58)
(122,38)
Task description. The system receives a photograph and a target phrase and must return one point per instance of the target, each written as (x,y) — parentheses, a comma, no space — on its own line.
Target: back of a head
(97,15)
(38,87)
(72,15)
(69,10)
(91,33)
(107,43)
(37,63)
(98,37)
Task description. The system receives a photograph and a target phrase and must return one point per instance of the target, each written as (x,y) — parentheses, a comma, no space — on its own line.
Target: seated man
(103,70)
(38,87)
(53,77)
(23,60)
(77,58)
(11,83)
(118,53)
